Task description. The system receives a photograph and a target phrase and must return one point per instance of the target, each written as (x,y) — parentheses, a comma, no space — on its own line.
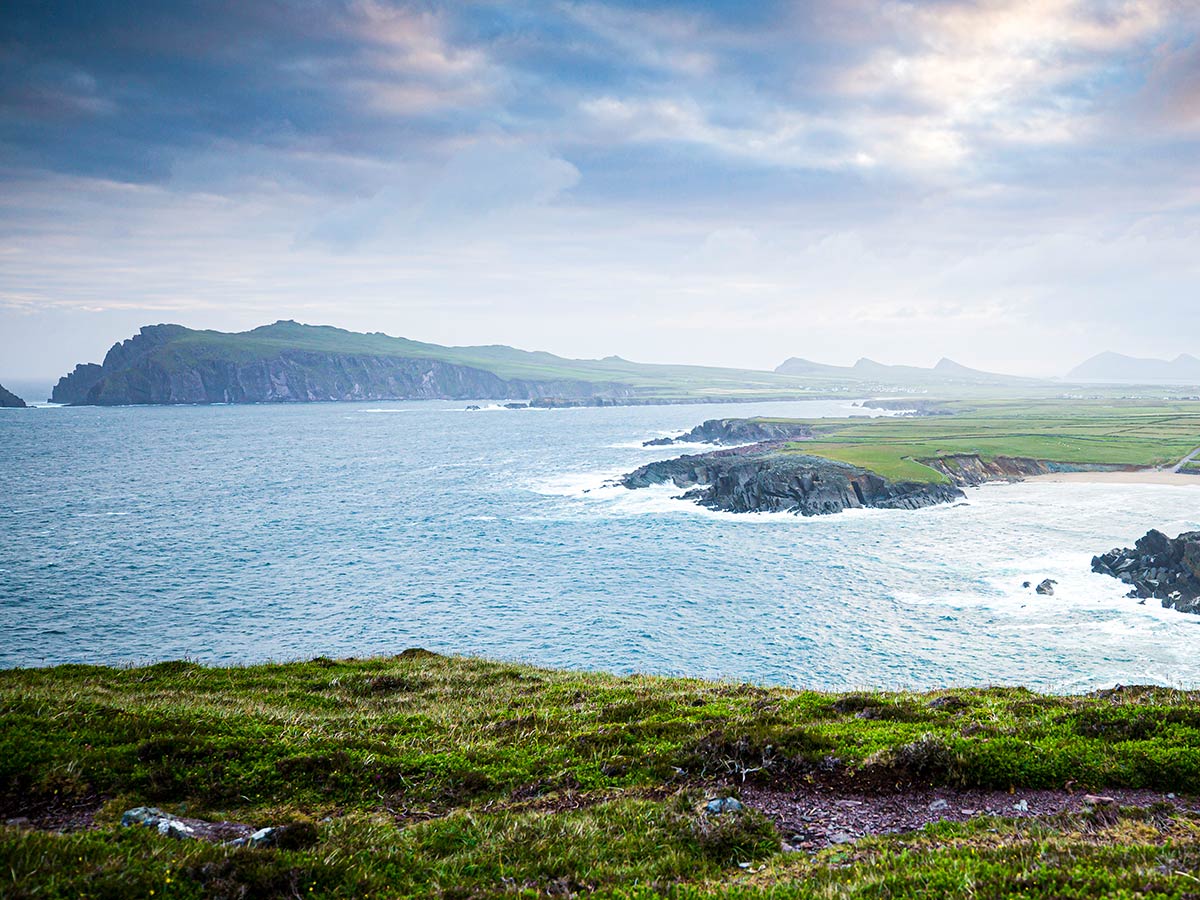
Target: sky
(1011,183)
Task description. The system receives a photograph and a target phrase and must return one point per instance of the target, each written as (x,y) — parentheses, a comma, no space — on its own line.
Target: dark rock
(9,400)
(739,431)
(472,407)
(1158,567)
(1046,587)
(718,805)
(1026,584)
(768,478)
(153,817)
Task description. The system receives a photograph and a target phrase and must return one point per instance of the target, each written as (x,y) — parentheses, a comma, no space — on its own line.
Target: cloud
(488,180)
(897,175)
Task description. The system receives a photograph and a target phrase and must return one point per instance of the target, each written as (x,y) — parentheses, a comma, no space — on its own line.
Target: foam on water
(236,534)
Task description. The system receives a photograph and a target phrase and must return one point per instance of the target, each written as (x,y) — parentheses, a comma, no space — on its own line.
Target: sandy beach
(1144,476)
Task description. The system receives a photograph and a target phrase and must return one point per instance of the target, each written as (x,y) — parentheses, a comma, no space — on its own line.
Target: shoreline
(1144,476)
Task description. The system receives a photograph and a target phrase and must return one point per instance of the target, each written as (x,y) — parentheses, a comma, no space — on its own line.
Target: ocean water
(247,533)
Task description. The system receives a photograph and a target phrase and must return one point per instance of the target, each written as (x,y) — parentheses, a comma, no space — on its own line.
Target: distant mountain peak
(946,371)
(868,363)
(1119,368)
(945,364)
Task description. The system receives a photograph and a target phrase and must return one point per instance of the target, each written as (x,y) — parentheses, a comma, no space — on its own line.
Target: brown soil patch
(816,816)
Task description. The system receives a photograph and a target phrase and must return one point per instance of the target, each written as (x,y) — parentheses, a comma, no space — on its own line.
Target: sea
(244,534)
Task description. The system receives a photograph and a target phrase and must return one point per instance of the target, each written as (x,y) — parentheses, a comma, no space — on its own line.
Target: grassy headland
(435,776)
(1134,433)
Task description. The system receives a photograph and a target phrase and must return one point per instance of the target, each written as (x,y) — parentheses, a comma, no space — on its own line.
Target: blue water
(240,534)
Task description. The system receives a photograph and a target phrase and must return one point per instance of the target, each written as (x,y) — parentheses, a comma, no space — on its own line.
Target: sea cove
(242,534)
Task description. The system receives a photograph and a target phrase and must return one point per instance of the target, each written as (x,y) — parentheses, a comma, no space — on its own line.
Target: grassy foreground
(1139,434)
(435,776)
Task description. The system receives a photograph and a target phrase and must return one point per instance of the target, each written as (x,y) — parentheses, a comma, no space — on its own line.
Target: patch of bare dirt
(813,817)
(55,813)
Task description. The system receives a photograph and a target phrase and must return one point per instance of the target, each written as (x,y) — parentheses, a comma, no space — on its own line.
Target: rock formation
(739,431)
(9,400)
(763,478)
(1158,567)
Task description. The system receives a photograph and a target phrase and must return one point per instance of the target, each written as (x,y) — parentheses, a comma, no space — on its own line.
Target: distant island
(9,400)
(288,362)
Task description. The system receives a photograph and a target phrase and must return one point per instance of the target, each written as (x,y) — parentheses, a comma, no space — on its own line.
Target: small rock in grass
(841,837)
(937,805)
(1021,806)
(152,817)
(719,805)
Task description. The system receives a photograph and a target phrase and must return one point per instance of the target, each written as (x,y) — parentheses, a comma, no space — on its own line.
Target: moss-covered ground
(435,776)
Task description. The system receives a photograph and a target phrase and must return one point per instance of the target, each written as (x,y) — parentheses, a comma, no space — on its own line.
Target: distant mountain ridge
(946,371)
(1119,368)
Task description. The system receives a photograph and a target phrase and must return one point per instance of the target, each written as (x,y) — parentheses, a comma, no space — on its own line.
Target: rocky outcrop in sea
(159,366)
(1158,567)
(9,400)
(764,478)
(738,431)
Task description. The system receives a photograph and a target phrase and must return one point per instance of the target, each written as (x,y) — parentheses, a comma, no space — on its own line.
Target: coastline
(1143,476)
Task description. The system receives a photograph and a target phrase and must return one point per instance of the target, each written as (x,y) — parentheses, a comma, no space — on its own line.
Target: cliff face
(738,431)
(1158,567)
(763,479)
(9,400)
(968,470)
(152,369)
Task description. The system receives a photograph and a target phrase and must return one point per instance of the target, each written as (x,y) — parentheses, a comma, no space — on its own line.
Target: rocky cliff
(9,400)
(163,364)
(738,431)
(971,470)
(1158,567)
(763,478)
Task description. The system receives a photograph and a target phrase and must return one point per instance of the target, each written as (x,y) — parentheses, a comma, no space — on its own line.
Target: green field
(1134,433)
(433,776)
